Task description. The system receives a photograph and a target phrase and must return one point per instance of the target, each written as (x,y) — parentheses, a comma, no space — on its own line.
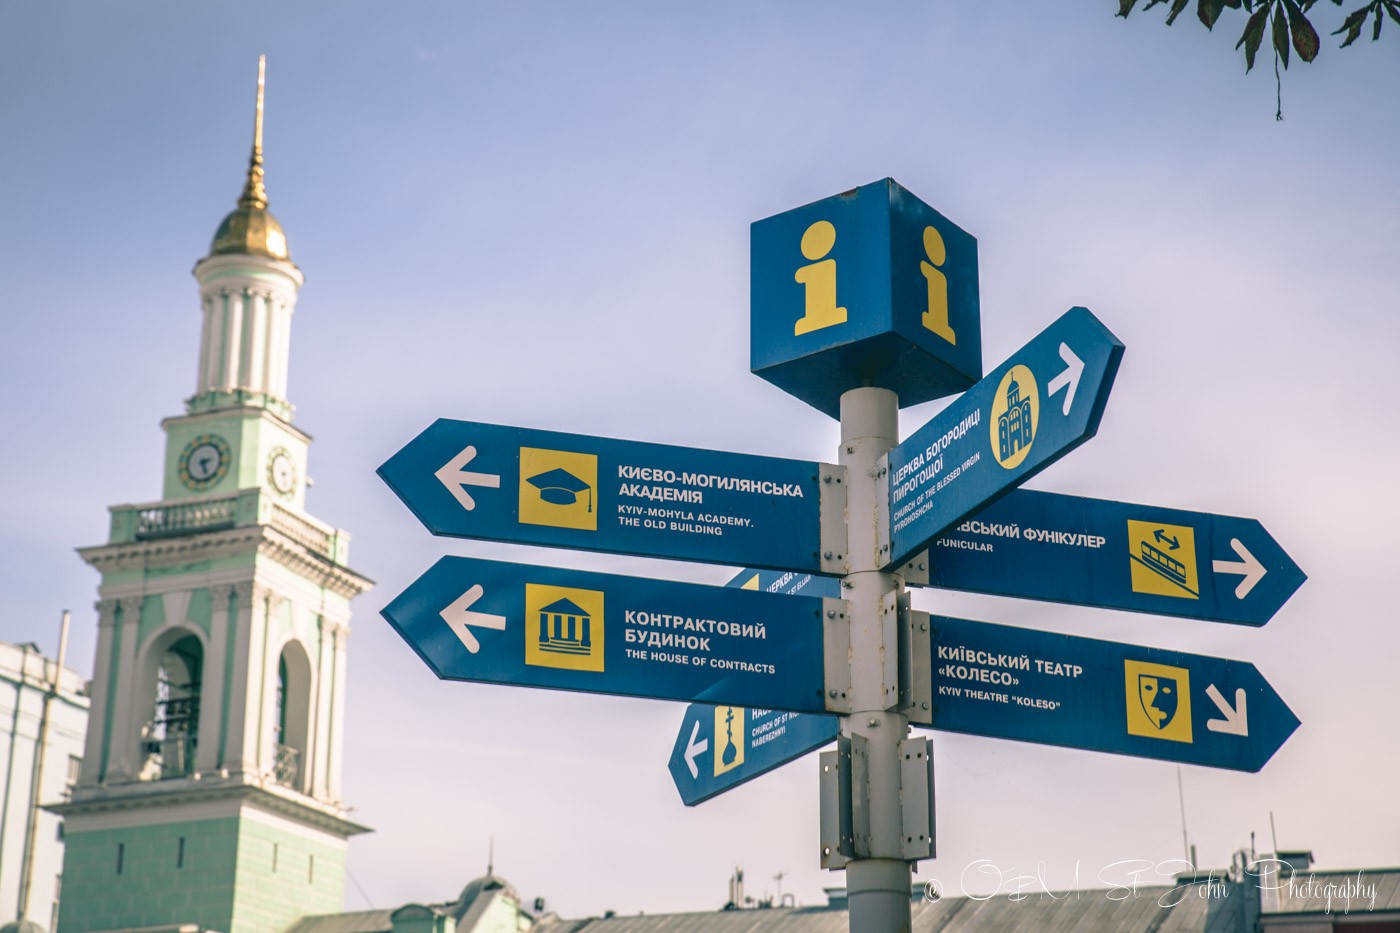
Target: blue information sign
(869,287)
(721,747)
(1015,683)
(465,479)
(493,622)
(1036,407)
(1092,552)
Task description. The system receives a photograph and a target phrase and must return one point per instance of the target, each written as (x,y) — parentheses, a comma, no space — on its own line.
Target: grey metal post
(877,880)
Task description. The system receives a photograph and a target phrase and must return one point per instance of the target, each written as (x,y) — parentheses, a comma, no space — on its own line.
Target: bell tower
(210,791)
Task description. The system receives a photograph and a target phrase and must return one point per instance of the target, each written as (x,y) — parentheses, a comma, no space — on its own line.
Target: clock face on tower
(281,471)
(204,462)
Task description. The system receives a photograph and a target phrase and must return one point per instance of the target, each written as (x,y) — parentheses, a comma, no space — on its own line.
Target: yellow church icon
(563,627)
(558,488)
(1015,416)
(936,317)
(1159,700)
(729,738)
(1162,559)
(818,280)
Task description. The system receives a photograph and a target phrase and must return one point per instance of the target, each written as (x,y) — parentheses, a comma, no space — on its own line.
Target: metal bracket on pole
(915,570)
(832,545)
(836,647)
(860,795)
(836,836)
(882,511)
(889,646)
(916,789)
(915,664)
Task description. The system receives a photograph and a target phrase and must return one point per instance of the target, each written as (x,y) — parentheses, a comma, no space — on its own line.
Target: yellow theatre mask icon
(1159,700)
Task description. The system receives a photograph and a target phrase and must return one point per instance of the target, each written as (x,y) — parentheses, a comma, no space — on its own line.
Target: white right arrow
(1236,721)
(694,748)
(1074,368)
(451,475)
(1250,567)
(459,618)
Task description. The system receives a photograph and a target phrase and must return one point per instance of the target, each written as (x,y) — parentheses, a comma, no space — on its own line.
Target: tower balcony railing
(286,766)
(170,757)
(254,506)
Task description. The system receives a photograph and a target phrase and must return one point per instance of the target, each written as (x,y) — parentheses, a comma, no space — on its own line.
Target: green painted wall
(239,875)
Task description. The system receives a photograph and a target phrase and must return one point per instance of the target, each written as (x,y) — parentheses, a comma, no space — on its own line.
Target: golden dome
(250,229)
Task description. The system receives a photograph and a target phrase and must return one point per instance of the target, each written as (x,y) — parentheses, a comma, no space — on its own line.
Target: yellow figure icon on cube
(1159,700)
(936,317)
(558,488)
(564,627)
(729,738)
(1163,559)
(818,280)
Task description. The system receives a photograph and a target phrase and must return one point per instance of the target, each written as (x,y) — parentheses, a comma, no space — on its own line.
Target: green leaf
(1281,37)
(1305,38)
(1393,10)
(1232,4)
(1208,11)
(1352,25)
(1125,7)
(1177,7)
(1253,35)
(1376,34)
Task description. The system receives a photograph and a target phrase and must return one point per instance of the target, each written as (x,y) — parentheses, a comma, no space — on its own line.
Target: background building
(43,717)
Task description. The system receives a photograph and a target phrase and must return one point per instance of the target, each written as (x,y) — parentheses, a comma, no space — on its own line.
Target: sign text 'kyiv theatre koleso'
(1040,404)
(1093,552)
(492,622)
(721,747)
(1016,683)
(470,480)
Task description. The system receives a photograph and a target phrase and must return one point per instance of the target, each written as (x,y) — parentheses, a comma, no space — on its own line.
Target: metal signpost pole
(877,880)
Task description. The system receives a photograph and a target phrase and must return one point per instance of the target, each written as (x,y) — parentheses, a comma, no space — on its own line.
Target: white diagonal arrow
(1236,721)
(459,618)
(1074,368)
(693,748)
(451,475)
(1250,567)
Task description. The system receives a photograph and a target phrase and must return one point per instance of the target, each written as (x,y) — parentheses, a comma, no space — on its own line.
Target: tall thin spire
(254,194)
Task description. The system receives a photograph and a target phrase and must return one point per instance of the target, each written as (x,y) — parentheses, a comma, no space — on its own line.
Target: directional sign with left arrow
(1093,552)
(721,747)
(466,479)
(1036,407)
(493,622)
(1015,683)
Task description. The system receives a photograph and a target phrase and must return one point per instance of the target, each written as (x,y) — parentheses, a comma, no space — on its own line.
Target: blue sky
(483,194)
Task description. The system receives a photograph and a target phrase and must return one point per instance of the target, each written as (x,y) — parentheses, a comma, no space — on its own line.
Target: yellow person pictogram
(818,280)
(936,317)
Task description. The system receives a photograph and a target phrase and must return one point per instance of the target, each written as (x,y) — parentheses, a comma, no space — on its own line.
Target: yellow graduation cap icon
(561,487)
(557,488)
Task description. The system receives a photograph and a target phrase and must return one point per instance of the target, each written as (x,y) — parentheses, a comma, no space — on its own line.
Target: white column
(281,344)
(214,363)
(341,635)
(201,381)
(211,701)
(268,602)
(318,746)
(93,765)
(233,340)
(272,310)
(258,303)
(242,695)
(123,761)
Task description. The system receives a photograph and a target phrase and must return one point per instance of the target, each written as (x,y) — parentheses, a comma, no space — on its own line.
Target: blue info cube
(867,288)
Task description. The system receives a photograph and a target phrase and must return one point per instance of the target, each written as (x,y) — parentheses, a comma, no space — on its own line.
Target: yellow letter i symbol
(936,317)
(819,280)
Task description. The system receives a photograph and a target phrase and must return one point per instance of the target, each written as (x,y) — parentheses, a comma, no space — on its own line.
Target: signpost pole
(877,879)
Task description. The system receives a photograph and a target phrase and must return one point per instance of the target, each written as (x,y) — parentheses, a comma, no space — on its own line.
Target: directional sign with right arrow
(493,622)
(465,479)
(1093,552)
(1036,407)
(1015,683)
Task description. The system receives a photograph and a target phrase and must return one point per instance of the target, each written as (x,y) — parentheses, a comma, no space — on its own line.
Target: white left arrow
(693,748)
(1069,378)
(1249,566)
(460,618)
(1236,721)
(451,475)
